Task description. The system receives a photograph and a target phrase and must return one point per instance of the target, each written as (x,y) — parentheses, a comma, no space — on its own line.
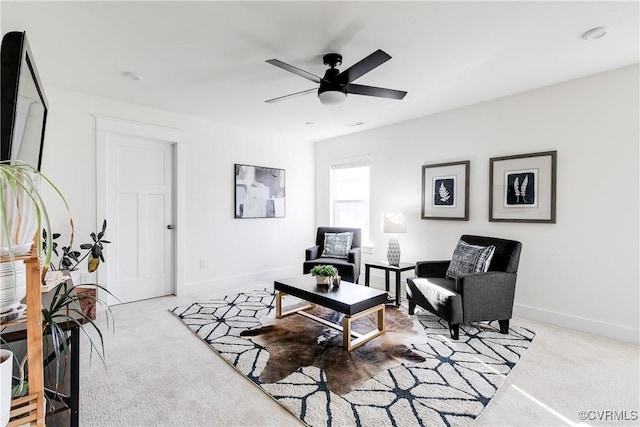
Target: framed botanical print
(445,191)
(522,188)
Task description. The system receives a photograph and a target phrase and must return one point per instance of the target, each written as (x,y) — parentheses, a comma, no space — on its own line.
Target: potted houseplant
(76,304)
(66,306)
(21,203)
(71,258)
(324,274)
(22,213)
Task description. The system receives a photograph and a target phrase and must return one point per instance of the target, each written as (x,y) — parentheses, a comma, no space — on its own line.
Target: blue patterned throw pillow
(337,245)
(470,259)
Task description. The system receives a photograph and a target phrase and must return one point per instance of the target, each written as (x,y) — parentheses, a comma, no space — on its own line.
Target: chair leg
(504,326)
(455,331)
(412,306)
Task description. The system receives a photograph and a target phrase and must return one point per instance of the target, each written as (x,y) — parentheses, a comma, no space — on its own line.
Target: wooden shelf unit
(29,409)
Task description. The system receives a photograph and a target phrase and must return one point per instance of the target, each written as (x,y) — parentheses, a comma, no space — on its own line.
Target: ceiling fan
(335,85)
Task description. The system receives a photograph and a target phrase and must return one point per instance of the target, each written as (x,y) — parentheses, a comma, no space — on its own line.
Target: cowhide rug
(412,375)
(294,342)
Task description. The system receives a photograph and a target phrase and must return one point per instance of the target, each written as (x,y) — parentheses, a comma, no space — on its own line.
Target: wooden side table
(388,268)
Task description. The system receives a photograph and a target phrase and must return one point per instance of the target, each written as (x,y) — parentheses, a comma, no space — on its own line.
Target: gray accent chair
(470,297)
(348,268)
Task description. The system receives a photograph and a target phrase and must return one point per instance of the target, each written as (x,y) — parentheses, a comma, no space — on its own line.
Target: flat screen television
(23,115)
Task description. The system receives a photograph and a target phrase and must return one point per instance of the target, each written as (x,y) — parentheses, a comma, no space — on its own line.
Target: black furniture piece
(469,297)
(348,268)
(349,299)
(388,268)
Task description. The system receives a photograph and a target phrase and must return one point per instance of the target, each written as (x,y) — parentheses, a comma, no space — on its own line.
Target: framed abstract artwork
(259,192)
(445,191)
(522,188)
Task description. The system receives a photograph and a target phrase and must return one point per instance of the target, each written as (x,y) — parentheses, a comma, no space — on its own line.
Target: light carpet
(434,381)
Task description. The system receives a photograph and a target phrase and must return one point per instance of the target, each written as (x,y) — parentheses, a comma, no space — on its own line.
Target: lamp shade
(394,223)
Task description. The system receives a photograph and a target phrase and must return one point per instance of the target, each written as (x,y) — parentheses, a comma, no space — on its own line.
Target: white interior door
(140,183)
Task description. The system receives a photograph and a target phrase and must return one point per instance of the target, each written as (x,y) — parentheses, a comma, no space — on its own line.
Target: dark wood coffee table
(354,301)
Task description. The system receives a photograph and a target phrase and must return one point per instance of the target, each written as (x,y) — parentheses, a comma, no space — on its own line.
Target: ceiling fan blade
(365,65)
(375,91)
(294,70)
(291,95)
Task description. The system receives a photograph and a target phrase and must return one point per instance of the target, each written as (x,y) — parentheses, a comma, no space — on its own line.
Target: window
(350,196)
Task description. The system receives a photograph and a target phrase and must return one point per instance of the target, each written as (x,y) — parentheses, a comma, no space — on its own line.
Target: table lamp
(394,223)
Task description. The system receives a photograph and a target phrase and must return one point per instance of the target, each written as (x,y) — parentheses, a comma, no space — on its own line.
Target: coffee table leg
(346,333)
(280,314)
(279,296)
(349,344)
(381,325)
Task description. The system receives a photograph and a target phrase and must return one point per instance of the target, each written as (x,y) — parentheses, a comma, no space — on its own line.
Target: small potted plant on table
(324,274)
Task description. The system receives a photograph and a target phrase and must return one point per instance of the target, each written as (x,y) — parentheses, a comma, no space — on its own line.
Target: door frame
(106,126)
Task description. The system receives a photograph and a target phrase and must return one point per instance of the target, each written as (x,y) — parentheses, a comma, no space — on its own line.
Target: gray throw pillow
(469,259)
(337,245)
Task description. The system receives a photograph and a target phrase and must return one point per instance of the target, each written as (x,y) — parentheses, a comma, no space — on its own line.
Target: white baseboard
(581,324)
(239,283)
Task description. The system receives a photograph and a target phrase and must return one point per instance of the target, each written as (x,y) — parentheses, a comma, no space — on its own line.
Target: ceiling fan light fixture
(335,85)
(332,97)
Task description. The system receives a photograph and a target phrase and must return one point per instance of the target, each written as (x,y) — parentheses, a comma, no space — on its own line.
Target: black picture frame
(259,192)
(522,188)
(445,191)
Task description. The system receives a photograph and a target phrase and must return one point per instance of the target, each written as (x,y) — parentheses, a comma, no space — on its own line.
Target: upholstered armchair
(346,261)
(478,284)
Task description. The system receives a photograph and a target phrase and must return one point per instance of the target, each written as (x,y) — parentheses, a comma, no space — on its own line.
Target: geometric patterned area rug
(414,374)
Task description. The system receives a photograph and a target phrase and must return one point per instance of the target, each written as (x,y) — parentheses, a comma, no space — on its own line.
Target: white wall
(234,251)
(581,272)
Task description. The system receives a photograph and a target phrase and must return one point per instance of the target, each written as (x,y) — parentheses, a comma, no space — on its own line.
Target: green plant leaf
(18,175)
(324,270)
(96,251)
(65,307)
(93,249)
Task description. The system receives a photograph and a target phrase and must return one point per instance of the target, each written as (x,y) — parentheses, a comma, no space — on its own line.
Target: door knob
(169,227)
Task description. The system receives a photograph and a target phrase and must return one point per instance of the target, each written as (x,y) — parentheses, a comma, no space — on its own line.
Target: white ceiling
(207,59)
